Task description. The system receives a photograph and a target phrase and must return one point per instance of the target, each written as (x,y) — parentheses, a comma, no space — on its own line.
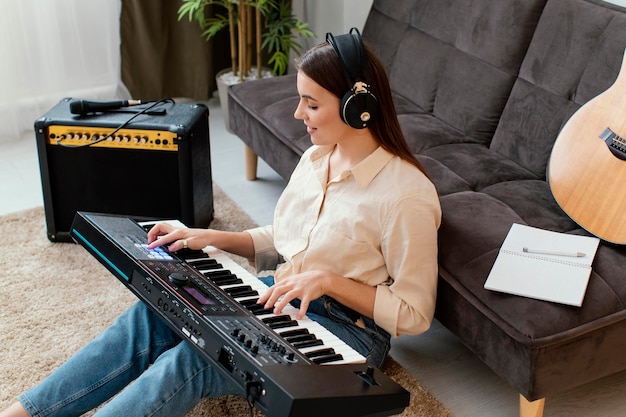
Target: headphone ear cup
(358,108)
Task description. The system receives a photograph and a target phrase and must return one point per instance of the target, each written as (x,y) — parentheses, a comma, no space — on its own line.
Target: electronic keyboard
(282,366)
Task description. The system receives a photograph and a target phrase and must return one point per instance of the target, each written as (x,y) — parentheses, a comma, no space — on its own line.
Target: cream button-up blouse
(376,224)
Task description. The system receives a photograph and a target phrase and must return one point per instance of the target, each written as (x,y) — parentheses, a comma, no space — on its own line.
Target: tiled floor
(452,373)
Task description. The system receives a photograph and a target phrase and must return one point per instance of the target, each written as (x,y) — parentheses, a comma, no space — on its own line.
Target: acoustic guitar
(587,167)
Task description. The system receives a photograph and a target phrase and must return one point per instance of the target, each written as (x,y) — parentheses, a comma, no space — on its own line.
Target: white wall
(54,49)
(335,16)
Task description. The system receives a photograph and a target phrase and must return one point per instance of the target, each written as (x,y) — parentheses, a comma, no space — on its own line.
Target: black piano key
(281,324)
(305,340)
(241,291)
(327,358)
(323,355)
(207,263)
(276,319)
(191,254)
(320,352)
(278,322)
(294,332)
(218,273)
(249,302)
(226,280)
(300,338)
(256,309)
(307,343)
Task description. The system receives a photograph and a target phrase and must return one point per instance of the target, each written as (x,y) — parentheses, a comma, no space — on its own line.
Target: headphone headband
(349,47)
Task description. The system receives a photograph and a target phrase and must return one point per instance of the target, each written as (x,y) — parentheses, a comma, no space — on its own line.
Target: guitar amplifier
(147,161)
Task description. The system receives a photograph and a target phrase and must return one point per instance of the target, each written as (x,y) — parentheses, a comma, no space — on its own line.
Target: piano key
(206,263)
(218,273)
(275,318)
(299,344)
(226,280)
(330,358)
(259,310)
(301,338)
(256,309)
(279,322)
(324,355)
(192,254)
(294,332)
(240,291)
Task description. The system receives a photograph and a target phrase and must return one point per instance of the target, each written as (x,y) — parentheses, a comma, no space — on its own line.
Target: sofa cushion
(478,165)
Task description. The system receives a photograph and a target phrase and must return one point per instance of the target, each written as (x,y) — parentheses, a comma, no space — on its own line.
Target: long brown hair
(321,63)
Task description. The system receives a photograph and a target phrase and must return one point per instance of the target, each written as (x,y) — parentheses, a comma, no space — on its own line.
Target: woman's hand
(310,285)
(306,287)
(239,243)
(177,238)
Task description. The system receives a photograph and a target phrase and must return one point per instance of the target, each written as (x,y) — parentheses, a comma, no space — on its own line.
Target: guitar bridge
(616,143)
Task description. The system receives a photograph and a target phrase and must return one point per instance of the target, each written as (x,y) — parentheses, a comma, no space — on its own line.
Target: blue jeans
(151,371)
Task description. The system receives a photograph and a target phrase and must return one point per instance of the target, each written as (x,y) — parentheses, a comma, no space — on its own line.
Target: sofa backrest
(575,54)
(456,60)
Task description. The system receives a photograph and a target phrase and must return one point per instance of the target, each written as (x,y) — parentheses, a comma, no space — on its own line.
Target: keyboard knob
(177,278)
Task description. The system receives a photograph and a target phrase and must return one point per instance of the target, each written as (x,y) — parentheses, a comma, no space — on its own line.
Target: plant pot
(225,78)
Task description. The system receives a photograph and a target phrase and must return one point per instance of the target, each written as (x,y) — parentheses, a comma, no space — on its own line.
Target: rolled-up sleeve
(407,304)
(266,257)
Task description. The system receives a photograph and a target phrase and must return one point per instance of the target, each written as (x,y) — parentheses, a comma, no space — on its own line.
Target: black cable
(142,111)
(252,392)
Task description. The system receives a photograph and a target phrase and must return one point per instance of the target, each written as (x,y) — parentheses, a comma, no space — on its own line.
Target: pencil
(556,253)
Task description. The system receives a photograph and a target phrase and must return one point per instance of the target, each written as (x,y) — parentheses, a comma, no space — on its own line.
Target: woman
(355,232)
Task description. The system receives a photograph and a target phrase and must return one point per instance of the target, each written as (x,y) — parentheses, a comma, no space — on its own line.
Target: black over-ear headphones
(358,106)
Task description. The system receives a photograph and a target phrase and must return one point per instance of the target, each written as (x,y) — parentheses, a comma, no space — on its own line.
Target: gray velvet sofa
(482,89)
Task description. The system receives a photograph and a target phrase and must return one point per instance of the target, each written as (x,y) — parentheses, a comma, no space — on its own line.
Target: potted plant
(261,28)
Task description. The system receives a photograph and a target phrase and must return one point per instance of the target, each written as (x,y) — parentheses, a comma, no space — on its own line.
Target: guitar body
(587,167)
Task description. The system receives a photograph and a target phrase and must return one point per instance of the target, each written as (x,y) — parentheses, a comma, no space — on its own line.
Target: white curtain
(51,49)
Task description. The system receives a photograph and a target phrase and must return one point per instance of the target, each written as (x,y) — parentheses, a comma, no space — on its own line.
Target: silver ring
(185,244)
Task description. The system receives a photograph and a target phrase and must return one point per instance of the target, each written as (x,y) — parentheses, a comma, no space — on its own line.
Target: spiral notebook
(542,264)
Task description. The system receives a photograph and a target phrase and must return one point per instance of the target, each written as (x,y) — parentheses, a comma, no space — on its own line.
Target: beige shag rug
(56,297)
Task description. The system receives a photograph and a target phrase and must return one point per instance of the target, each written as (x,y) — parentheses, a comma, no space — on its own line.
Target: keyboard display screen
(198,296)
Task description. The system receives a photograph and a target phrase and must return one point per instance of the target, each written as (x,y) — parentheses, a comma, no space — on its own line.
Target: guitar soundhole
(616,143)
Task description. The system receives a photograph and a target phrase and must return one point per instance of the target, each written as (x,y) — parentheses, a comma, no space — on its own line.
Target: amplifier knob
(178,278)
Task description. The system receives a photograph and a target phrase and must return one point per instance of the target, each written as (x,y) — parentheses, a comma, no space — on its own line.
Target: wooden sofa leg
(251,164)
(531,409)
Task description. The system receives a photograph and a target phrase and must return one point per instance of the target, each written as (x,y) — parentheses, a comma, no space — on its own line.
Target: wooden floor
(437,358)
